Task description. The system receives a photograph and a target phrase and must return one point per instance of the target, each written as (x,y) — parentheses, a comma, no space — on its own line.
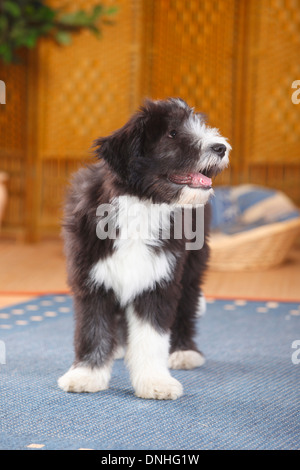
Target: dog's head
(167,153)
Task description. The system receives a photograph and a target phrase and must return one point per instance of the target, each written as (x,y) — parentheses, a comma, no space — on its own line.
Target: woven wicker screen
(235,60)
(86,90)
(232,59)
(64,98)
(13,141)
(270,136)
(190,55)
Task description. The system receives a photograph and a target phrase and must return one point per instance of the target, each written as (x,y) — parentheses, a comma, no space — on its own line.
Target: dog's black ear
(123,145)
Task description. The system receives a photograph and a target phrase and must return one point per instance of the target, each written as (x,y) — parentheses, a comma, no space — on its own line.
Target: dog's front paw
(85,379)
(158,388)
(185,359)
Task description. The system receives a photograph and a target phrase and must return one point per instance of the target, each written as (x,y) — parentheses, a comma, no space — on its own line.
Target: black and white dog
(140,294)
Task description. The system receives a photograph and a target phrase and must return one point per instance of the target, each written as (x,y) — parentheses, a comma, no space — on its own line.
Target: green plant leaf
(96,31)
(30,39)
(6,53)
(3,23)
(44,13)
(62,37)
(17,32)
(44,29)
(78,18)
(29,10)
(12,8)
(97,11)
(111,10)
(23,22)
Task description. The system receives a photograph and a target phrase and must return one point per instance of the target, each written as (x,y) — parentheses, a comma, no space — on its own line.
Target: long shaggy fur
(135,294)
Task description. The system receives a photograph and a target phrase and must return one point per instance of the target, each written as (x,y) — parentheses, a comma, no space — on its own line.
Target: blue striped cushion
(240,208)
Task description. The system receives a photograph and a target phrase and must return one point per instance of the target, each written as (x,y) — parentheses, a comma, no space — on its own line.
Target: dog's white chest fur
(134,266)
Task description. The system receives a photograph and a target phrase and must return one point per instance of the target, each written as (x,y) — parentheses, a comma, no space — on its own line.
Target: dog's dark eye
(172,134)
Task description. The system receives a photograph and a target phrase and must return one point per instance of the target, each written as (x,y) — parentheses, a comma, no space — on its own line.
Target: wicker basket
(257,249)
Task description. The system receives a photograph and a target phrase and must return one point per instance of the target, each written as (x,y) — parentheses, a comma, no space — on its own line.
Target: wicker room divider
(13,142)
(235,60)
(269,139)
(58,102)
(232,59)
(189,53)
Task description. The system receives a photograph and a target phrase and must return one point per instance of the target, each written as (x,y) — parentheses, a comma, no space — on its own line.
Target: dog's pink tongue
(194,180)
(198,180)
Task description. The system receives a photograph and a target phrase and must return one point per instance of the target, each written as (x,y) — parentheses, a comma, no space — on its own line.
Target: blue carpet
(246,396)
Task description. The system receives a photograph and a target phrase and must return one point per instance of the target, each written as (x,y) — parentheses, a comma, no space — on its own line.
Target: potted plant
(23,22)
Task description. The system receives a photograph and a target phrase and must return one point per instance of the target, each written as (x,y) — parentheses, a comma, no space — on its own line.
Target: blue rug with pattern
(246,396)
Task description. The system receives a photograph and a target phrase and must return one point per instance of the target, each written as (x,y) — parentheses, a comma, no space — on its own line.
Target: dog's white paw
(185,359)
(85,379)
(159,388)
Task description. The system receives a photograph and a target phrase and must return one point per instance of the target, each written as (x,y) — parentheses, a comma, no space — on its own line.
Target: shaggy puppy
(131,290)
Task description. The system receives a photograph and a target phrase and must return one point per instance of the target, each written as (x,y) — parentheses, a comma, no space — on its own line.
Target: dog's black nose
(220,149)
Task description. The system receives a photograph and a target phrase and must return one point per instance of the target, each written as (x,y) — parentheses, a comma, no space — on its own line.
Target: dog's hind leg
(184,353)
(95,343)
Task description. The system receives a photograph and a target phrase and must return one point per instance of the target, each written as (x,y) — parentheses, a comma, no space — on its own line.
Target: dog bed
(253,228)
